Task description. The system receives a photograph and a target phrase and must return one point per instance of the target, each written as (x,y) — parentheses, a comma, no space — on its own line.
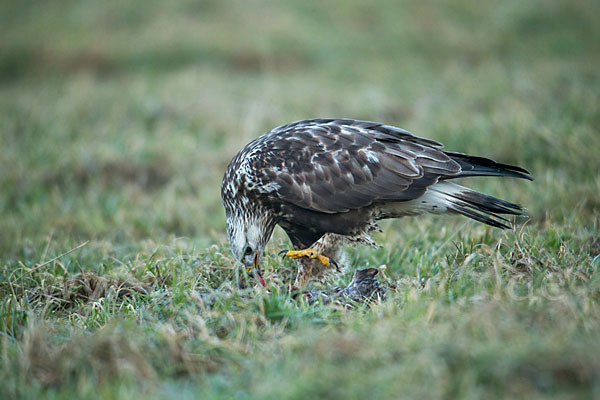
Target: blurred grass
(117,120)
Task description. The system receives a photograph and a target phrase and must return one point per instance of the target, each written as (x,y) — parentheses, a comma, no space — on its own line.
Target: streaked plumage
(341,176)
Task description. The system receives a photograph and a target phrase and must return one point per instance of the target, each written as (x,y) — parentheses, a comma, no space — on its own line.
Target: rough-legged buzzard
(325,181)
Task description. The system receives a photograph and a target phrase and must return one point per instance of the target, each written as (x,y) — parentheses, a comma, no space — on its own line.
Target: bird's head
(248,235)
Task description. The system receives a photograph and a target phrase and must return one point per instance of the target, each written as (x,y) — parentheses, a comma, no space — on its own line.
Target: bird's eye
(248,251)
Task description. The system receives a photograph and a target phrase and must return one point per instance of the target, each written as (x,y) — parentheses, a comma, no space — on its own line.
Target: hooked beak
(255,267)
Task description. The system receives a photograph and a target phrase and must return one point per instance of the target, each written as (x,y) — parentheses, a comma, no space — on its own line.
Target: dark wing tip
(481,166)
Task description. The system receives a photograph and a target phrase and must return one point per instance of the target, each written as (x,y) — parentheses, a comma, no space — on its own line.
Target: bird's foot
(310,253)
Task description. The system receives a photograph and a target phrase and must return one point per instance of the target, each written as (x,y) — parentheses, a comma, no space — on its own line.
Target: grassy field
(117,120)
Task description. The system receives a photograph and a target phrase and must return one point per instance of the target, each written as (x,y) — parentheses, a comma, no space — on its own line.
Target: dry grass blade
(60,256)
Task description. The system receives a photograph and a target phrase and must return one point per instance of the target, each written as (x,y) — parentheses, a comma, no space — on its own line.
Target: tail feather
(478,206)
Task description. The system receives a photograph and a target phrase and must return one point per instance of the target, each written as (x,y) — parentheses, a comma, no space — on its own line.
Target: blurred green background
(118,118)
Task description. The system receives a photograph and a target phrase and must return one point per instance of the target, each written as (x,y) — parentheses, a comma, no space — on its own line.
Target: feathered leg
(312,266)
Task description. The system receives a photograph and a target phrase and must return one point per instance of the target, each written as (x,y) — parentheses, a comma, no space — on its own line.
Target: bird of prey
(327,182)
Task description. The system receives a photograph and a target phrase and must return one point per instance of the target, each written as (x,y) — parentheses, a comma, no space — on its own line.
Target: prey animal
(327,182)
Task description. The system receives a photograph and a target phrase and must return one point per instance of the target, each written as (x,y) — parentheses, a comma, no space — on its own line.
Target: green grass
(117,121)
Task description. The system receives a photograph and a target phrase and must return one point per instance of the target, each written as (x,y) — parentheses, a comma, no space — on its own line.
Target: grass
(117,122)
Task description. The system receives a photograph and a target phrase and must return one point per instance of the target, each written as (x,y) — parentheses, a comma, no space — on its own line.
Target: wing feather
(333,165)
(339,165)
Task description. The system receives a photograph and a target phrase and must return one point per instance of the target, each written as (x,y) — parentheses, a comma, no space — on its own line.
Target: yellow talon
(300,253)
(310,253)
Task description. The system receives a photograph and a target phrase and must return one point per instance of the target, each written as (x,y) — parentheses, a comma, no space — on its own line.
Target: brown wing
(338,165)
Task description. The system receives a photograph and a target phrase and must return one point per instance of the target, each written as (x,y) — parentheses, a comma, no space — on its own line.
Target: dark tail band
(484,208)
